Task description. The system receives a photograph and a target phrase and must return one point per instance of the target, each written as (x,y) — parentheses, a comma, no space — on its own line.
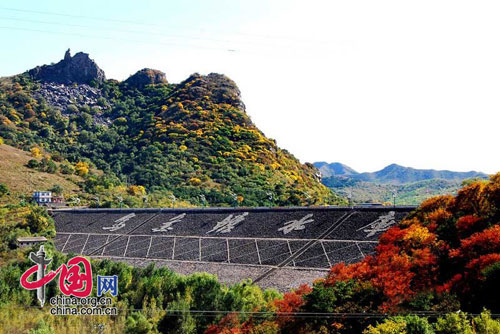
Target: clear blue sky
(361,82)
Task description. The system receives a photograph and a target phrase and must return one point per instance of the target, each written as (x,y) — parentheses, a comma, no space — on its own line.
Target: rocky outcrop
(61,96)
(79,69)
(218,87)
(146,76)
(67,97)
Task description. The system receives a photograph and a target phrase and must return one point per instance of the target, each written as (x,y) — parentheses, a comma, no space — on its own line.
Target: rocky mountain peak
(146,76)
(217,86)
(79,69)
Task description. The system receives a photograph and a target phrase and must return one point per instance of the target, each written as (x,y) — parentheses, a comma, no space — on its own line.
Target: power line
(206,313)
(139,23)
(75,16)
(119,30)
(229,47)
(110,38)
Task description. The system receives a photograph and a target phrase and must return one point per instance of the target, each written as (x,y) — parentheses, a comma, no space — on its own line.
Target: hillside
(443,258)
(22,180)
(412,186)
(191,141)
(406,194)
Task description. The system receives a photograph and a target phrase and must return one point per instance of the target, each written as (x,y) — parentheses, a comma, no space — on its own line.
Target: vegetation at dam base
(443,258)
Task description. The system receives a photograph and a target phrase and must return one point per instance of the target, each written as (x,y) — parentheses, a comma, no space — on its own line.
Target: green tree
(4,190)
(417,325)
(33,163)
(41,327)
(66,169)
(182,323)
(57,189)
(484,324)
(137,323)
(51,167)
(387,327)
(39,221)
(454,323)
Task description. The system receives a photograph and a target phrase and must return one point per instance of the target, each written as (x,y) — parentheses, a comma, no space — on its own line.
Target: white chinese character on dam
(167,226)
(296,225)
(119,223)
(380,225)
(228,224)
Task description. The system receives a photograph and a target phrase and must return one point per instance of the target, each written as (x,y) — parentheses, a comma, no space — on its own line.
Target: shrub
(387,327)
(454,323)
(82,168)
(484,324)
(137,323)
(41,327)
(57,189)
(33,164)
(195,181)
(66,169)
(36,152)
(417,325)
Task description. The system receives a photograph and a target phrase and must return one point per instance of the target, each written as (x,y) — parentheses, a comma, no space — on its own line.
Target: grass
(22,180)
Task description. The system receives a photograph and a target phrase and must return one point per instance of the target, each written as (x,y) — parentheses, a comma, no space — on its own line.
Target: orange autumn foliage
(479,243)
(445,251)
(409,256)
(467,223)
(291,302)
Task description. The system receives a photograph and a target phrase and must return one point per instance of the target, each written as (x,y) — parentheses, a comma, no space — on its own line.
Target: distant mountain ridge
(410,185)
(334,169)
(394,173)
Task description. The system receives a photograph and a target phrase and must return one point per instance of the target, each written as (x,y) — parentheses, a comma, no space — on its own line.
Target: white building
(42,197)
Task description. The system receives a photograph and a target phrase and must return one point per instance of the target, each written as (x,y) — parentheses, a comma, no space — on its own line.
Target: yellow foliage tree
(195,181)
(36,152)
(388,327)
(82,168)
(136,190)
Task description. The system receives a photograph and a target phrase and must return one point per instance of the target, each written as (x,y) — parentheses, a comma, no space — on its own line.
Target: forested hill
(411,185)
(395,174)
(191,141)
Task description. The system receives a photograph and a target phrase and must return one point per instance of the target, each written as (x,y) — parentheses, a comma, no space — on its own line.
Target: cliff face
(79,69)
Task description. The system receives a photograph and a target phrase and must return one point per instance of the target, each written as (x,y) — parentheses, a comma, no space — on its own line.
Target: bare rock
(146,76)
(79,69)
